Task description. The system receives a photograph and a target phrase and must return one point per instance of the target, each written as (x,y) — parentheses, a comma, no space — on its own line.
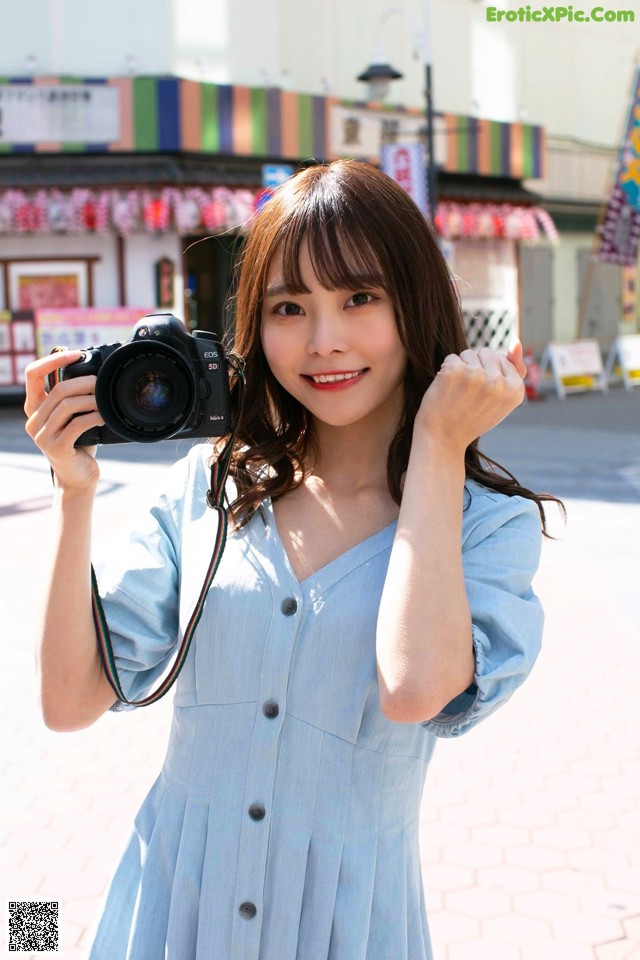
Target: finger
(78,387)
(67,437)
(510,371)
(69,408)
(490,361)
(57,409)
(470,357)
(36,372)
(516,356)
(451,362)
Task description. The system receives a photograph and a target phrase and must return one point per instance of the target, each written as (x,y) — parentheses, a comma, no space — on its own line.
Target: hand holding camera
(56,420)
(162,383)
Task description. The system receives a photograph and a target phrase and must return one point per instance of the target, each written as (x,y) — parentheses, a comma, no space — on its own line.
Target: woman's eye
(288,309)
(359,299)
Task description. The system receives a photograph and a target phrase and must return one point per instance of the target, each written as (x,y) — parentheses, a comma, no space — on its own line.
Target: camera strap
(215,498)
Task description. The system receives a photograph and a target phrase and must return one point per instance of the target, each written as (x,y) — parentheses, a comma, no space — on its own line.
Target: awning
(472,188)
(33,171)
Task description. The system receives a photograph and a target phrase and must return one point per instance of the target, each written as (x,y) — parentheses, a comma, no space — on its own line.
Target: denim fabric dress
(284,822)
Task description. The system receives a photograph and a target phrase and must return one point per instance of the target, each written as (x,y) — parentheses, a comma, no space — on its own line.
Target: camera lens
(153,394)
(150,392)
(145,392)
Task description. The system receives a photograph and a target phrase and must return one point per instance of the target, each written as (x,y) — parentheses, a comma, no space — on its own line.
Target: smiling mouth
(334,377)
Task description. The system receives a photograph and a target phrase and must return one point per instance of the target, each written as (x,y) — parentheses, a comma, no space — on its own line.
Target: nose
(327,335)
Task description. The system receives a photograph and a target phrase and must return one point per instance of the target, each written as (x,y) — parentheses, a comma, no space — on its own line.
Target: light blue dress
(284,822)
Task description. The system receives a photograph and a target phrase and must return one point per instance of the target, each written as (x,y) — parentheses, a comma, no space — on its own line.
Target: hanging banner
(404,162)
(620,232)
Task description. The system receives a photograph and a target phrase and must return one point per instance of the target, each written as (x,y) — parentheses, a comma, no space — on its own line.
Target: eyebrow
(277,289)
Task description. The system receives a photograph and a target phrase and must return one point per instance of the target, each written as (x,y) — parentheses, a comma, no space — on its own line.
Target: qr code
(33,926)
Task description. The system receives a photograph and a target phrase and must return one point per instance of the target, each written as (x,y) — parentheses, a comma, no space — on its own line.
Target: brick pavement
(530,823)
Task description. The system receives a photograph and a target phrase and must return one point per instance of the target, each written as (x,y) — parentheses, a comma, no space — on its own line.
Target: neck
(355,457)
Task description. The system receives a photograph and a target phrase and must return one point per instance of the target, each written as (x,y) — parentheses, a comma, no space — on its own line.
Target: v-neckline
(319,574)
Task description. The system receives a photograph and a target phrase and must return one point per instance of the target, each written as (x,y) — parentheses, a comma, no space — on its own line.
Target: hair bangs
(341,249)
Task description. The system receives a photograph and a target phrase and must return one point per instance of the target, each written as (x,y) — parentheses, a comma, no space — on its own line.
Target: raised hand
(471,394)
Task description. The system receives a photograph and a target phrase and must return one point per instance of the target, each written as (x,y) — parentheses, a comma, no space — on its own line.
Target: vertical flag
(405,164)
(620,231)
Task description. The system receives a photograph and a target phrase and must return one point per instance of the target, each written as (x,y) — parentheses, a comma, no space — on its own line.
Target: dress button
(289,606)
(248,910)
(257,811)
(270,709)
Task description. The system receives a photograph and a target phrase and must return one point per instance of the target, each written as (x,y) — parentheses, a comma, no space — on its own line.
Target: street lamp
(379,75)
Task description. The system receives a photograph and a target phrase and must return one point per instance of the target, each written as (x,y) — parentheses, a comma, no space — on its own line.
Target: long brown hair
(358,223)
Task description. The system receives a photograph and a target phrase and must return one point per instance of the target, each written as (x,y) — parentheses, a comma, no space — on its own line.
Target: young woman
(374,594)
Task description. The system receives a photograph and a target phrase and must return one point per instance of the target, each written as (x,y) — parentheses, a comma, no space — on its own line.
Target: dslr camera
(164,382)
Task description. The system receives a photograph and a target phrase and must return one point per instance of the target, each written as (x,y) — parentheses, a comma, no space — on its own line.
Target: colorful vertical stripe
(225,119)
(145,113)
(190,116)
(168,114)
(209,118)
(171,115)
(125,99)
(274,123)
(289,125)
(518,139)
(259,118)
(240,122)
(483,143)
(319,127)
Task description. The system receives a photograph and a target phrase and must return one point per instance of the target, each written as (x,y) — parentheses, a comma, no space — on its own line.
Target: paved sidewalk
(530,823)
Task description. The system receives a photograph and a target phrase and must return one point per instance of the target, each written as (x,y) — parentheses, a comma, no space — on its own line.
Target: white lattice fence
(490,328)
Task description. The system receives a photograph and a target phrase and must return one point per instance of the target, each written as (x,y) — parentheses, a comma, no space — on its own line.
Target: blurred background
(136,142)
(130,131)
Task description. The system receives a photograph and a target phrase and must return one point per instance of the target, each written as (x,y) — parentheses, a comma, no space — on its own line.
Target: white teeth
(334,377)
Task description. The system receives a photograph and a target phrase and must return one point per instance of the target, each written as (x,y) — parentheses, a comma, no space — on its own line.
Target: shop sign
(84,327)
(56,284)
(273,174)
(88,113)
(17,347)
(361,132)
(625,354)
(576,366)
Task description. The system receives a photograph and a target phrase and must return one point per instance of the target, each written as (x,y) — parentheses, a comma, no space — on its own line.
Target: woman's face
(337,352)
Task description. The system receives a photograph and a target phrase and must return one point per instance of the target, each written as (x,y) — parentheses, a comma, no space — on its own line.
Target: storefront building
(134,193)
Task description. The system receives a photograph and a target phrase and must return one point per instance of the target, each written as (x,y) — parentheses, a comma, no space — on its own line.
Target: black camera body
(164,382)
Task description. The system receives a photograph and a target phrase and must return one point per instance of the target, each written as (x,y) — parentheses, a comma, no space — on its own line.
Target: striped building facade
(167,114)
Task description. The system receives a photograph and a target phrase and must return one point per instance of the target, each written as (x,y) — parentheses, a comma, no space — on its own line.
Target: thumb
(515,355)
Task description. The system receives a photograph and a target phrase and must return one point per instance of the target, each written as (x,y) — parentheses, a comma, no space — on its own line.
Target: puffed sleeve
(501,551)
(138,575)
